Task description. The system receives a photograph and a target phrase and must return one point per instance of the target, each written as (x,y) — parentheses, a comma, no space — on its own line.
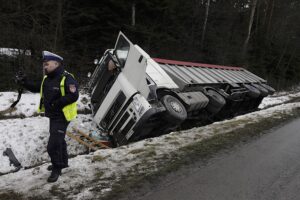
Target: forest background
(261,35)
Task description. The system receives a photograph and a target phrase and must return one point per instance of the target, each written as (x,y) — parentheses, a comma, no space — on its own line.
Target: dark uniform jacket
(53,101)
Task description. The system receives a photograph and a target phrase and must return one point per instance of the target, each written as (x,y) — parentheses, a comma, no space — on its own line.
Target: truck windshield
(102,82)
(122,50)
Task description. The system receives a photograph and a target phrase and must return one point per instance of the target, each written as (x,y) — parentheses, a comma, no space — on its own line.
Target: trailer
(134,96)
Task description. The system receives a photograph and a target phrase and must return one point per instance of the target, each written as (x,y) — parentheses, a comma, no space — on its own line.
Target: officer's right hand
(20,78)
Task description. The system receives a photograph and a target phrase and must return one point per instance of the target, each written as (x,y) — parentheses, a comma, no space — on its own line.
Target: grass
(146,152)
(149,153)
(57,192)
(3,116)
(136,151)
(11,195)
(175,143)
(99,174)
(98,158)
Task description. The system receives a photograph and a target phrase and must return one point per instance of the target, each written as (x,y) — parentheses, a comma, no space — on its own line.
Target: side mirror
(96,61)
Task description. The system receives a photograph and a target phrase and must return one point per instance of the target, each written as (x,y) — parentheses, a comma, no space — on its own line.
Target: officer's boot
(50,167)
(54,175)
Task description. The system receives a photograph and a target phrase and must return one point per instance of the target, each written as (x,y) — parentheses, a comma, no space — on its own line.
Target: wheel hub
(176,107)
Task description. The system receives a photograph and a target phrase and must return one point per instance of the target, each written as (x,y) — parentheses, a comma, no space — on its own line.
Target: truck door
(133,63)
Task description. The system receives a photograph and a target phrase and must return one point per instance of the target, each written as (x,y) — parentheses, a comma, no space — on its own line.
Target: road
(267,168)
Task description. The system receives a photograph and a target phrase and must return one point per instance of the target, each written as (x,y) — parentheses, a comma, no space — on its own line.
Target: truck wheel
(216,101)
(269,88)
(263,91)
(175,111)
(252,91)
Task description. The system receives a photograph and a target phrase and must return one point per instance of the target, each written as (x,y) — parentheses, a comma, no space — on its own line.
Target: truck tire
(263,91)
(269,88)
(216,101)
(252,91)
(175,111)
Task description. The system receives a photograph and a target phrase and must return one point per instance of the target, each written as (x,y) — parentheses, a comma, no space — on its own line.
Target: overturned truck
(134,96)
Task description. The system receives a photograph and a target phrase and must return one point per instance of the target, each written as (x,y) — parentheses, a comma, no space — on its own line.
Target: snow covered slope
(28,138)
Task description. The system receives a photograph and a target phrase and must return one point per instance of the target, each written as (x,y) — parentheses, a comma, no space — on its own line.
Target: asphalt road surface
(267,168)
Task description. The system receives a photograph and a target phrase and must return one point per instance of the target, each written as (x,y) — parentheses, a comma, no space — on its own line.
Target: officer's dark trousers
(57,147)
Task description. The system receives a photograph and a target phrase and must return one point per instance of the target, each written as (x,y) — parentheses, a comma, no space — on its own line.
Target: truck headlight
(140,104)
(137,104)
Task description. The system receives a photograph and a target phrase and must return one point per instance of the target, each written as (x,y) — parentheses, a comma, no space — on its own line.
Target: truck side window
(122,50)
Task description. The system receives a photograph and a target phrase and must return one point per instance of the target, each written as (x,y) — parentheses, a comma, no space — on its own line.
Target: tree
(207,31)
(133,13)
(205,23)
(245,46)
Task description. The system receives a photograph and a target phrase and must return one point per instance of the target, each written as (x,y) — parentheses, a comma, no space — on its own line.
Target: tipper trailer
(134,96)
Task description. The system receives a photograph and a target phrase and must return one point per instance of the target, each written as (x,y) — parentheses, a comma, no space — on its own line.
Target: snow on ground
(29,102)
(277,99)
(25,137)
(28,137)
(26,106)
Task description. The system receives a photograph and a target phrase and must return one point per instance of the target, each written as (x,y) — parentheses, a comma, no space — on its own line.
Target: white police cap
(47,55)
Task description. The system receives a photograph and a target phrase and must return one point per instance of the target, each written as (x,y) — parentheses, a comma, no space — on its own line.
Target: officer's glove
(20,78)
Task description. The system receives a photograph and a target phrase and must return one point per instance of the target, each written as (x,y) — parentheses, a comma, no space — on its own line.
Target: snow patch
(29,103)
(28,139)
(14,52)
(277,99)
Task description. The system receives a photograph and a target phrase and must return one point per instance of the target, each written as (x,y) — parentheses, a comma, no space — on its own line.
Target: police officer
(59,93)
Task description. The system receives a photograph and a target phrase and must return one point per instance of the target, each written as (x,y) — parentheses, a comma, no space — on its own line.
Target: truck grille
(121,122)
(116,106)
(121,136)
(127,127)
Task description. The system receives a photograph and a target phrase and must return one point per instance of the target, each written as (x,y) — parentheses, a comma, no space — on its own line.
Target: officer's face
(50,66)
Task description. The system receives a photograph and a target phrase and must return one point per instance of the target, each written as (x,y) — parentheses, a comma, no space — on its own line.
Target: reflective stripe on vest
(70,110)
(41,107)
